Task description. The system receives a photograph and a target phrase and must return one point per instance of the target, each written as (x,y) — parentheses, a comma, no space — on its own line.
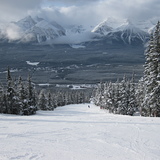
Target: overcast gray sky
(79,11)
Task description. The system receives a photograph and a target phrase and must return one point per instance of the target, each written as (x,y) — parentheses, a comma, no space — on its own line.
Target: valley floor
(76,132)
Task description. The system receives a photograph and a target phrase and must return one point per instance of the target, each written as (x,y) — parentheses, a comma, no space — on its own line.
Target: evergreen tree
(10,93)
(99,96)
(4,105)
(140,94)
(109,95)
(42,102)
(1,98)
(50,102)
(31,99)
(22,93)
(124,96)
(152,75)
(30,92)
(117,98)
(132,97)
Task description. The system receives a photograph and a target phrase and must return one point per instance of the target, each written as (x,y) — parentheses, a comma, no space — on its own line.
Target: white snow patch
(76,46)
(76,87)
(11,70)
(76,132)
(44,84)
(32,63)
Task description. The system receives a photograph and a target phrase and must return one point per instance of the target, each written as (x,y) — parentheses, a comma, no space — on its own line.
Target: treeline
(127,97)
(50,100)
(17,97)
(20,97)
(118,97)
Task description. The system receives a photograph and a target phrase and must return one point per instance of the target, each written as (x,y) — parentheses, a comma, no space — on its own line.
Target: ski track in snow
(76,132)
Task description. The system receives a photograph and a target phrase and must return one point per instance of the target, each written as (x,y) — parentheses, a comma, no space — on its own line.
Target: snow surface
(76,132)
(32,63)
(44,84)
(76,46)
(11,70)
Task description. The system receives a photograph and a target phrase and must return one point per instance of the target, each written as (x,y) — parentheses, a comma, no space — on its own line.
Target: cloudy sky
(79,11)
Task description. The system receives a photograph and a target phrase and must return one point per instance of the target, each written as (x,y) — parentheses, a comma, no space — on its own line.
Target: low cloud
(93,12)
(79,11)
(74,38)
(70,12)
(13,32)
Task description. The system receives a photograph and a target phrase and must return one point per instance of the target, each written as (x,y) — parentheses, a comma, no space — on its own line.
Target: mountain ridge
(41,31)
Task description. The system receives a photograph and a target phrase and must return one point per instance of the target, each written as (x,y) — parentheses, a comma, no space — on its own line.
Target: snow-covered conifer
(152,74)
(133,107)
(50,105)
(140,93)
(10,93)
(42,101)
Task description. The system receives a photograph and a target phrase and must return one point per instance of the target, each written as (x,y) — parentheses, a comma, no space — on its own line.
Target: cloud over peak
(79,11)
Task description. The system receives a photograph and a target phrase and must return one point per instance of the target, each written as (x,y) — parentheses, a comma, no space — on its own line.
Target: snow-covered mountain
(26,23)
(127,32)
(45,31)
(34,30)
(40,30)
(102,29)
(107,26)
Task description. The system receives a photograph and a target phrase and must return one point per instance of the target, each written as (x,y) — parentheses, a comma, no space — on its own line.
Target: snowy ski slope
(76,132)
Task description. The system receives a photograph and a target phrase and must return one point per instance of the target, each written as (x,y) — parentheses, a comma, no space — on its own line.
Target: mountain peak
(129,33)
(129,27)
(39,30)
(129,22)
(102,28)
(126,33)
(26,23)
(44,31)
(38,19)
